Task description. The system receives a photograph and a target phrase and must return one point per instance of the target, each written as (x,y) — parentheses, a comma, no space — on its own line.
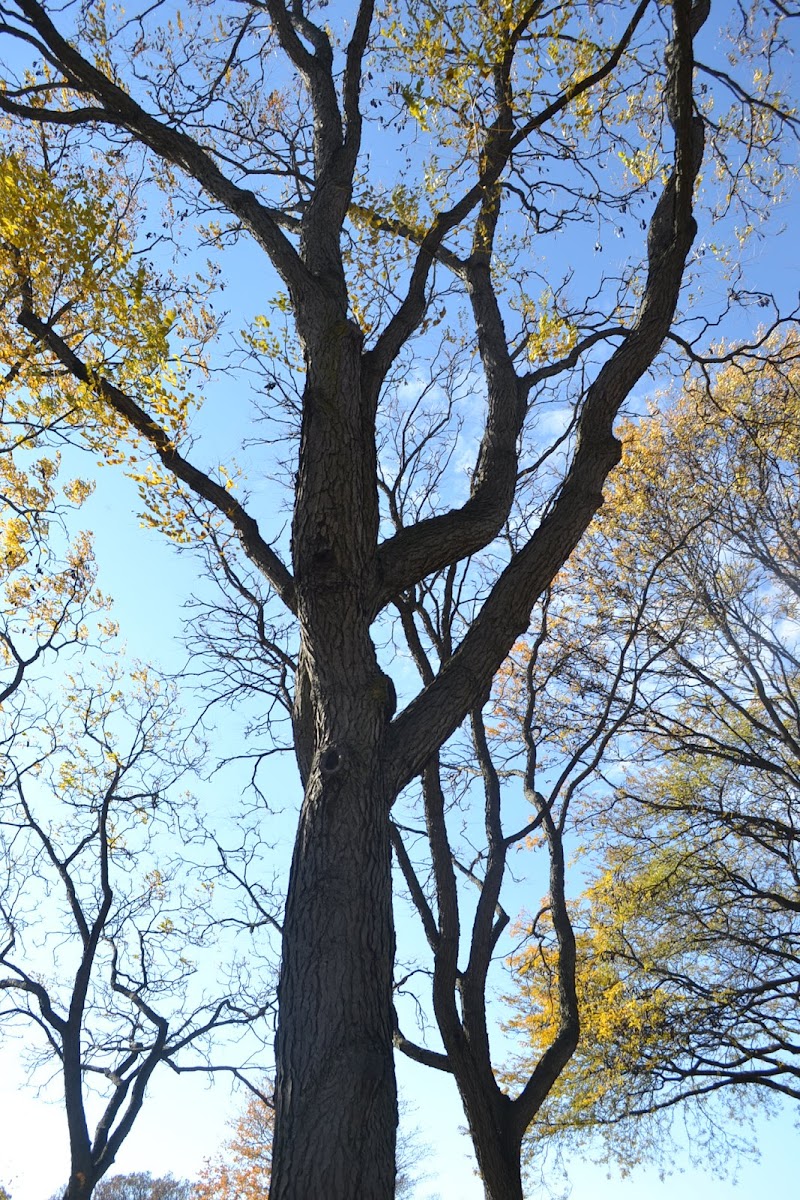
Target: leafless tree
(103,926)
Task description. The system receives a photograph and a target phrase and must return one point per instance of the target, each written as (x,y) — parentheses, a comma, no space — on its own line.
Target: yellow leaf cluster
(551,335)
(242,1170)
(102,299)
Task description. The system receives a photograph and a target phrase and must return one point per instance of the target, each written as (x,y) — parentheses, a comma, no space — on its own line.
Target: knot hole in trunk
(331,762)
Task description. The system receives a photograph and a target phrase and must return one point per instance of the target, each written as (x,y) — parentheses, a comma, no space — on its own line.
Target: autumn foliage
(241,1170)
(687,930)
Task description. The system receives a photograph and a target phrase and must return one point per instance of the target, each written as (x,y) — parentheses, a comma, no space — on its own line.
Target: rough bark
(334,1046)
(335,1054)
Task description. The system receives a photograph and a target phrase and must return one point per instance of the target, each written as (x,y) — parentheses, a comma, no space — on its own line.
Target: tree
(141,1185)
(241,1170)
(512,123)
(48,581)
(95,923)
(102,922)
(97,916)
(689,950)
(459,994)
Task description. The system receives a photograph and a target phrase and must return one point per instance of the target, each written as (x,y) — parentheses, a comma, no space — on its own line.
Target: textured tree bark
(497,1150)
(334,1046)
(77,1188)
(335,1037)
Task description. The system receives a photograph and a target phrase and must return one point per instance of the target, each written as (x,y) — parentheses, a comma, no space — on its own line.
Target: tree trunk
(82,1174)
(336,1103)
(336,1098)
(80,1186)
(497,1149)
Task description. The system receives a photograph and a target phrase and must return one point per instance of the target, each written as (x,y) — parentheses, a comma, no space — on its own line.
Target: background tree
(101,922)
(689,944)
(511,126)
(141,1185)
(242,1168)
(47,580)
(533,762)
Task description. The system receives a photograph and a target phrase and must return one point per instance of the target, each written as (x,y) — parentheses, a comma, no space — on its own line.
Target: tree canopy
(688,943)
(241,1169)
(142,1185)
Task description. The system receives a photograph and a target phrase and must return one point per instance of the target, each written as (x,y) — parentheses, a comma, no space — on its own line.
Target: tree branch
(505,614)
(258,551)
(118,108)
